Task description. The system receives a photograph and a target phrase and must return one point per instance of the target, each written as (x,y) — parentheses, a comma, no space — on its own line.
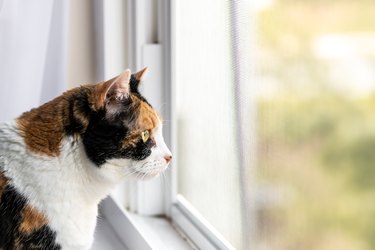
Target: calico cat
(58,161)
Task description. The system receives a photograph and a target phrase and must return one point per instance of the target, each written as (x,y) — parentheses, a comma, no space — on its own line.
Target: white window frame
(123,26)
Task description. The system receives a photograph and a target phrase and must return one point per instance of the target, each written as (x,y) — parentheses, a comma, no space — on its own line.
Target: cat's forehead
(148,118)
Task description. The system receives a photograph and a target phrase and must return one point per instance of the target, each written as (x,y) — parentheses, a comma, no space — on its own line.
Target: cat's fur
(59,160)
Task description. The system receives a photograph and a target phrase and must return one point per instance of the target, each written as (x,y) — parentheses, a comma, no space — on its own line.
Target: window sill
(141,232)
(106,238)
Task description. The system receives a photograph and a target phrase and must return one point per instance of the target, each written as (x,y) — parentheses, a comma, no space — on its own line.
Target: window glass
(296,170)
(208,164)
(315,104)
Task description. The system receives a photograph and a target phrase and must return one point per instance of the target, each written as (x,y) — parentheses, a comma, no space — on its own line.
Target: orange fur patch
(43,128)
(31,220)
(147,119)
(3,183)
(98,95)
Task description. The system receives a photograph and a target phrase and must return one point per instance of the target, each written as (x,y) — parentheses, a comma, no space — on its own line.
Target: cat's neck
(91,183)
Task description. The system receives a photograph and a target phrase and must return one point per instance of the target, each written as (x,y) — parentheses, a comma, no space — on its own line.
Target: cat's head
(124,131)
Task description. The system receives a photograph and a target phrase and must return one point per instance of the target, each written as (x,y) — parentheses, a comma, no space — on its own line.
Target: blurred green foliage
(317,145)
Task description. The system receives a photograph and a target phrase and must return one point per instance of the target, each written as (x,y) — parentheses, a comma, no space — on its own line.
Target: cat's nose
(168,158)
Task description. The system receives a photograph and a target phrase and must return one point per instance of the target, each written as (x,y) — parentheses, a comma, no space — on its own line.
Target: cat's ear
(139,76)
(113,91)
(136,79)
(118,88)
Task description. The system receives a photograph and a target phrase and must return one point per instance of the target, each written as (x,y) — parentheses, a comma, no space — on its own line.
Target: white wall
(32,53)
(82,46)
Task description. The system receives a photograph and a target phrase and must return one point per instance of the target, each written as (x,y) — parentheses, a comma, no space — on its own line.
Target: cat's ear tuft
(139,76)
(112,91)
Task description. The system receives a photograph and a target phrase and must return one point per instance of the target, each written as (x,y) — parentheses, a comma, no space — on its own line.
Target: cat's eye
(145,136)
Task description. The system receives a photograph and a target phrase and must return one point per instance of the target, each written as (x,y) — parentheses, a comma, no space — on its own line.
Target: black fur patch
(41,239)
(134,88)
(11,206)
(77,103)
(103,140)
(134,83)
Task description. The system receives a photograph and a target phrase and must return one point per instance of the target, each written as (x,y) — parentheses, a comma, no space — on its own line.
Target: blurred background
(315,71)
(274,107)
(280,137)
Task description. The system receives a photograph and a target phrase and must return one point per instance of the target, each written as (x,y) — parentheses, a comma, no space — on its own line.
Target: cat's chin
(147,170)
(144,176)
(118,169)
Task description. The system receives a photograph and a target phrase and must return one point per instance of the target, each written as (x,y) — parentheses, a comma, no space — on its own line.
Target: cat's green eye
(145,136)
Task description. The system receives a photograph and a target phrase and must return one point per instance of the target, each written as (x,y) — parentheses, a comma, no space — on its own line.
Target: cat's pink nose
(168,158)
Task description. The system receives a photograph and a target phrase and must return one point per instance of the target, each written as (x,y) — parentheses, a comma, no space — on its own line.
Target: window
(207,119)
(161,46)
(268,107)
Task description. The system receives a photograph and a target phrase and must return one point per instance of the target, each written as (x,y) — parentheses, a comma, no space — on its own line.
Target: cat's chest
(70,216)
(74,225)
(56,186)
